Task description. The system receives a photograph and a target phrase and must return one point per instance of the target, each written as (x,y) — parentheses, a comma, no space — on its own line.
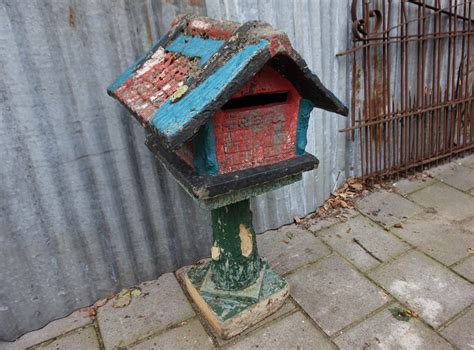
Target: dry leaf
(101,302)
(470,250)
(398,225)
(123,298)
(411,313)
(357,186)
(136,292)
(297,220)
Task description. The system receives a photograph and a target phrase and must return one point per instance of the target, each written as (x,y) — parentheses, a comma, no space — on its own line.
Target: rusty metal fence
(413,82)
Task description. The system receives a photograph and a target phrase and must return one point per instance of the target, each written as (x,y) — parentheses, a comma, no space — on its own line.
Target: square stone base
(230,313)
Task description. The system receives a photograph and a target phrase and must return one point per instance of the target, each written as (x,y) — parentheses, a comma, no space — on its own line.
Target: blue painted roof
(171,117)
(195,46)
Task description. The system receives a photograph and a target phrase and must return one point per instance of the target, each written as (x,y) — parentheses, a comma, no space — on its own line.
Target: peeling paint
(215,253)
(246,245)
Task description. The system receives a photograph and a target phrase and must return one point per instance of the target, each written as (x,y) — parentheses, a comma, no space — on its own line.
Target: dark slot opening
(256,100)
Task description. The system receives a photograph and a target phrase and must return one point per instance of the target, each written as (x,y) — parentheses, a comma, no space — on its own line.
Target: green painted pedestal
(237,288)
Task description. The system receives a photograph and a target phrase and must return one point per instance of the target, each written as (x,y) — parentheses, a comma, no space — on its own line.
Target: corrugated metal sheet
(84,207)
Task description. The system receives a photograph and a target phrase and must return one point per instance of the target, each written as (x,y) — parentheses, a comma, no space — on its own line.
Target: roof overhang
(206,188)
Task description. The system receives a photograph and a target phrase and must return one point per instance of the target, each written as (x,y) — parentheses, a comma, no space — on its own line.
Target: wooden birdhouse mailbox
(226,108)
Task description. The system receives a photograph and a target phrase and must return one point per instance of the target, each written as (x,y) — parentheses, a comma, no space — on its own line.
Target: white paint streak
(156,58)
(198,24)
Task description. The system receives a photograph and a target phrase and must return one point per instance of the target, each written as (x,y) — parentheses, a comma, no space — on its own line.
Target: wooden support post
(235,261)
(236,288)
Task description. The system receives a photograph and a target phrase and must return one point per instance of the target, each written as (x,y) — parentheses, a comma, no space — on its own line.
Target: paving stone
(53,329)
(287,308)
(446,200)
(455,174)
(189,335)
(444,240)
(363,242)
(334,294)
(289,248)
(428,288)
(461,332)
(467,161)
(406,186)
(384,331)
(468,225)
(161,304)
(292,332)
(466,268)
(387,208)
(316,224)
(84,338)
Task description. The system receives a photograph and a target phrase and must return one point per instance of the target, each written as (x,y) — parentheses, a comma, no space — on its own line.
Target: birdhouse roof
(194,69)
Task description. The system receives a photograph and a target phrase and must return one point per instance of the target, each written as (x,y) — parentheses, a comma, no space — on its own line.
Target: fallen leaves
(136,292)
(92,313)
(124,297)
(297,220)
(470,250)
(424,176)
(342,198)
(398,225)
(101,302)
(402,314)
(356,186)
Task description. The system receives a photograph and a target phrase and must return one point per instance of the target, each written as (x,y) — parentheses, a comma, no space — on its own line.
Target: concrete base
(231,313)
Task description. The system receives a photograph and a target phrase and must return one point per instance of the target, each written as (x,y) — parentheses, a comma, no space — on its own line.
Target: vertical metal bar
(438,84)
(355,83)
(422,119)
(369,102)
(454,107)
(434,84)
(469,111)
(406,121)
(459,86)
(418,91)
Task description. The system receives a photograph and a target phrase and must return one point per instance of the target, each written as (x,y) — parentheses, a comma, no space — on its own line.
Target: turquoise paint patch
(304,112)
(194,46)
(204,145)
(132,68)
(171,117)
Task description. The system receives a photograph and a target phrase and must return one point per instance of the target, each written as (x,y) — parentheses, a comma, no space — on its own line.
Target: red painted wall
(254,136)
